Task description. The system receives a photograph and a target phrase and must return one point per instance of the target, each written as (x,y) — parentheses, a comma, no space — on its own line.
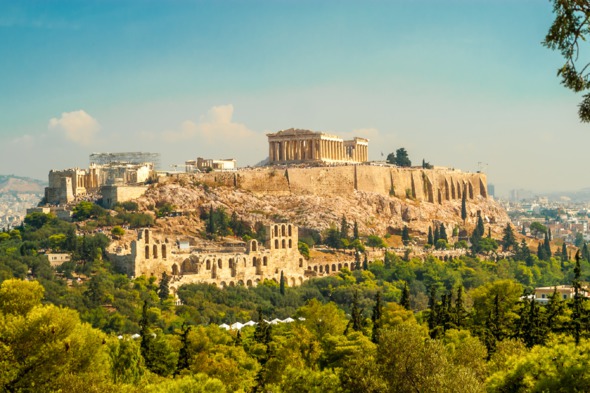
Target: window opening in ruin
(276,244)
(290,243)
(283,243)
(164,251)
(265,261)
(282,230)
(208,264)
(147,252)
(155,251)
(219,264)
(290,230)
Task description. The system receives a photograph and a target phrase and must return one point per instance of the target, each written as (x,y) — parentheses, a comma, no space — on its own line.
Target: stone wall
(111,195)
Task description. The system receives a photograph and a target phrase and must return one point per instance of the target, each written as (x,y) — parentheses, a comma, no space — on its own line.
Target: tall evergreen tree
(523,231)
(282,284)
(508,240)
(436,234)
(585,252)
(365,262)
(463,207)
(433,313)
(547,246)
(577,306)
(405,298)
(164,289)
(532,330)
(376,318)
(550,236)
(356,314)
(430,236)
(564,257)
(443,233)
(480,226)
(184,355)
(211,222)
(541,252)
(460,311)
(357,260)
(343,228)
(554,312)
(355,231)
(405,235)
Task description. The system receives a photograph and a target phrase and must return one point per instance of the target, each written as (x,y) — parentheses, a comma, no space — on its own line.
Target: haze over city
(456,82)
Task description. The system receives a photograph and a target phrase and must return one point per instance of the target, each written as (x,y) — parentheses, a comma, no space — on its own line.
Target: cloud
(77,126)
(215,126)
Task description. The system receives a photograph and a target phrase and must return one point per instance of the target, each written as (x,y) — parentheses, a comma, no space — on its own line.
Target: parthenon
(294,145)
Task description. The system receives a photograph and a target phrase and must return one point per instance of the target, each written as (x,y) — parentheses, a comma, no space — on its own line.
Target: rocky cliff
(317,198)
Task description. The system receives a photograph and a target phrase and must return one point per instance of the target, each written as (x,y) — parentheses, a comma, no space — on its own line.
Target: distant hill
(11,183)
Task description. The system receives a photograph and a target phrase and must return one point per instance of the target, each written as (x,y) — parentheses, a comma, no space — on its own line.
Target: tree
(184,355)
(355,231)
(376,318)
(564,256)
(464,207)
(376,242)
(164,290)
(117,231)
(344,228)
(405,235)
(443,233)
(537,228)
(568,31)
(391,158)
(430,237)
(578,311)
(401,158)
(282,284)
(405,298)
(508,240)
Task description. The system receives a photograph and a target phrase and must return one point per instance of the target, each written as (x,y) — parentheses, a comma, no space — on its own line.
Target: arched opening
(208,264)
(265,261)
(147,235)
(327,269)
(321,269)
(276,243)
(231,284)
(300,262)
(147,252)
(175,270)
(155,251)
(164,251)
(283,244)
(290,230)
(223,284)
(339,266)
(276,230)
(214,272)
(219,264)
(283,230)
(253,245)
(249,283)
(257,281)
(333,267)
(315,268)
(346,265)
(254,261)
(241,283)
(292,281)
(233,266)
(290,243)
(300,280)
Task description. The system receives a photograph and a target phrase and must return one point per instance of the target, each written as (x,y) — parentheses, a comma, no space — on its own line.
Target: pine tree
(547,246)
(376,318)
(405,298)
(282,284)
(577,303)
(146,336)
(356,314)
(553,311)
(460,311)
(357,260)
(355,231)
(430,237)
(436,234)
(164,290)
(365,263)
(541,252)
(443,233)
(523,231)
(463,207)
(343,228)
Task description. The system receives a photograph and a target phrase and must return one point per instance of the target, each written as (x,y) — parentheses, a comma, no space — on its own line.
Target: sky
(460,83)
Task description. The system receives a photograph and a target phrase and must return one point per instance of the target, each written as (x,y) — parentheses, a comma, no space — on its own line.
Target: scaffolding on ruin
(126,157)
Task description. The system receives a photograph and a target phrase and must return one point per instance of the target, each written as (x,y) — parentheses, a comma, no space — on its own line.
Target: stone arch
(315,268)
(290,243)
(333,267)
(257,281)
(300,262)
(265,261)
(186,266)
(339,266)
(222,284)
(293,281)
(321,269)
(147,252)
(283,244)
(164,251)
(249,283)
(283,232)
(276,243)
(233,266)
(241,283)
(214,272)
(346,265)
(276,230)
(290,230)
(253,245)
(155,251)
(327,269)
(219,263)
(232,284)
(146,234)
(208,264)
(175,270)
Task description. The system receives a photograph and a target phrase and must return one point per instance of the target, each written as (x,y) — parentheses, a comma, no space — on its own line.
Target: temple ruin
(295,146)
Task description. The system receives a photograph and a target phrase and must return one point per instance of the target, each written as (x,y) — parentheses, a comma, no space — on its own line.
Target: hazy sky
(454,82)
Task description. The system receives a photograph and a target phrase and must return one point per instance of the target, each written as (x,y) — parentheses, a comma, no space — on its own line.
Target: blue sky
(454,82)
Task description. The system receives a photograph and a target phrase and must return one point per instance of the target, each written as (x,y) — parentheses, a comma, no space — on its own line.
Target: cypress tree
(460,311)
(405,235)
(523,231)
(547,246)
(355,230)
(549,234)
(343,228)
(554,310)
(463,207)
(376,318)
(211,221)
(430,237)
(508,240)
(357,260)
(436,234)
(541,253)
(405,298)
(282,284)
(164,290)
(443,233)
(365,263)
(433,313)
(480,226)
(585,252)
(183,354)
(577,303)
(564,256)
(356,314)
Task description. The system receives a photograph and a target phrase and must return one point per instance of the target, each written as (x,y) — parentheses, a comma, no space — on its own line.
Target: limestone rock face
(375,213)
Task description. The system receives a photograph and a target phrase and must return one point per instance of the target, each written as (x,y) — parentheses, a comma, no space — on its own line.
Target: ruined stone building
(150,255)
(66,185)
(294,146)
(205,164)
(138,157)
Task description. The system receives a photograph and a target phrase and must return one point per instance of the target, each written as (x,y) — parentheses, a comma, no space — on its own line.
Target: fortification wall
(115,194)
(321,180)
